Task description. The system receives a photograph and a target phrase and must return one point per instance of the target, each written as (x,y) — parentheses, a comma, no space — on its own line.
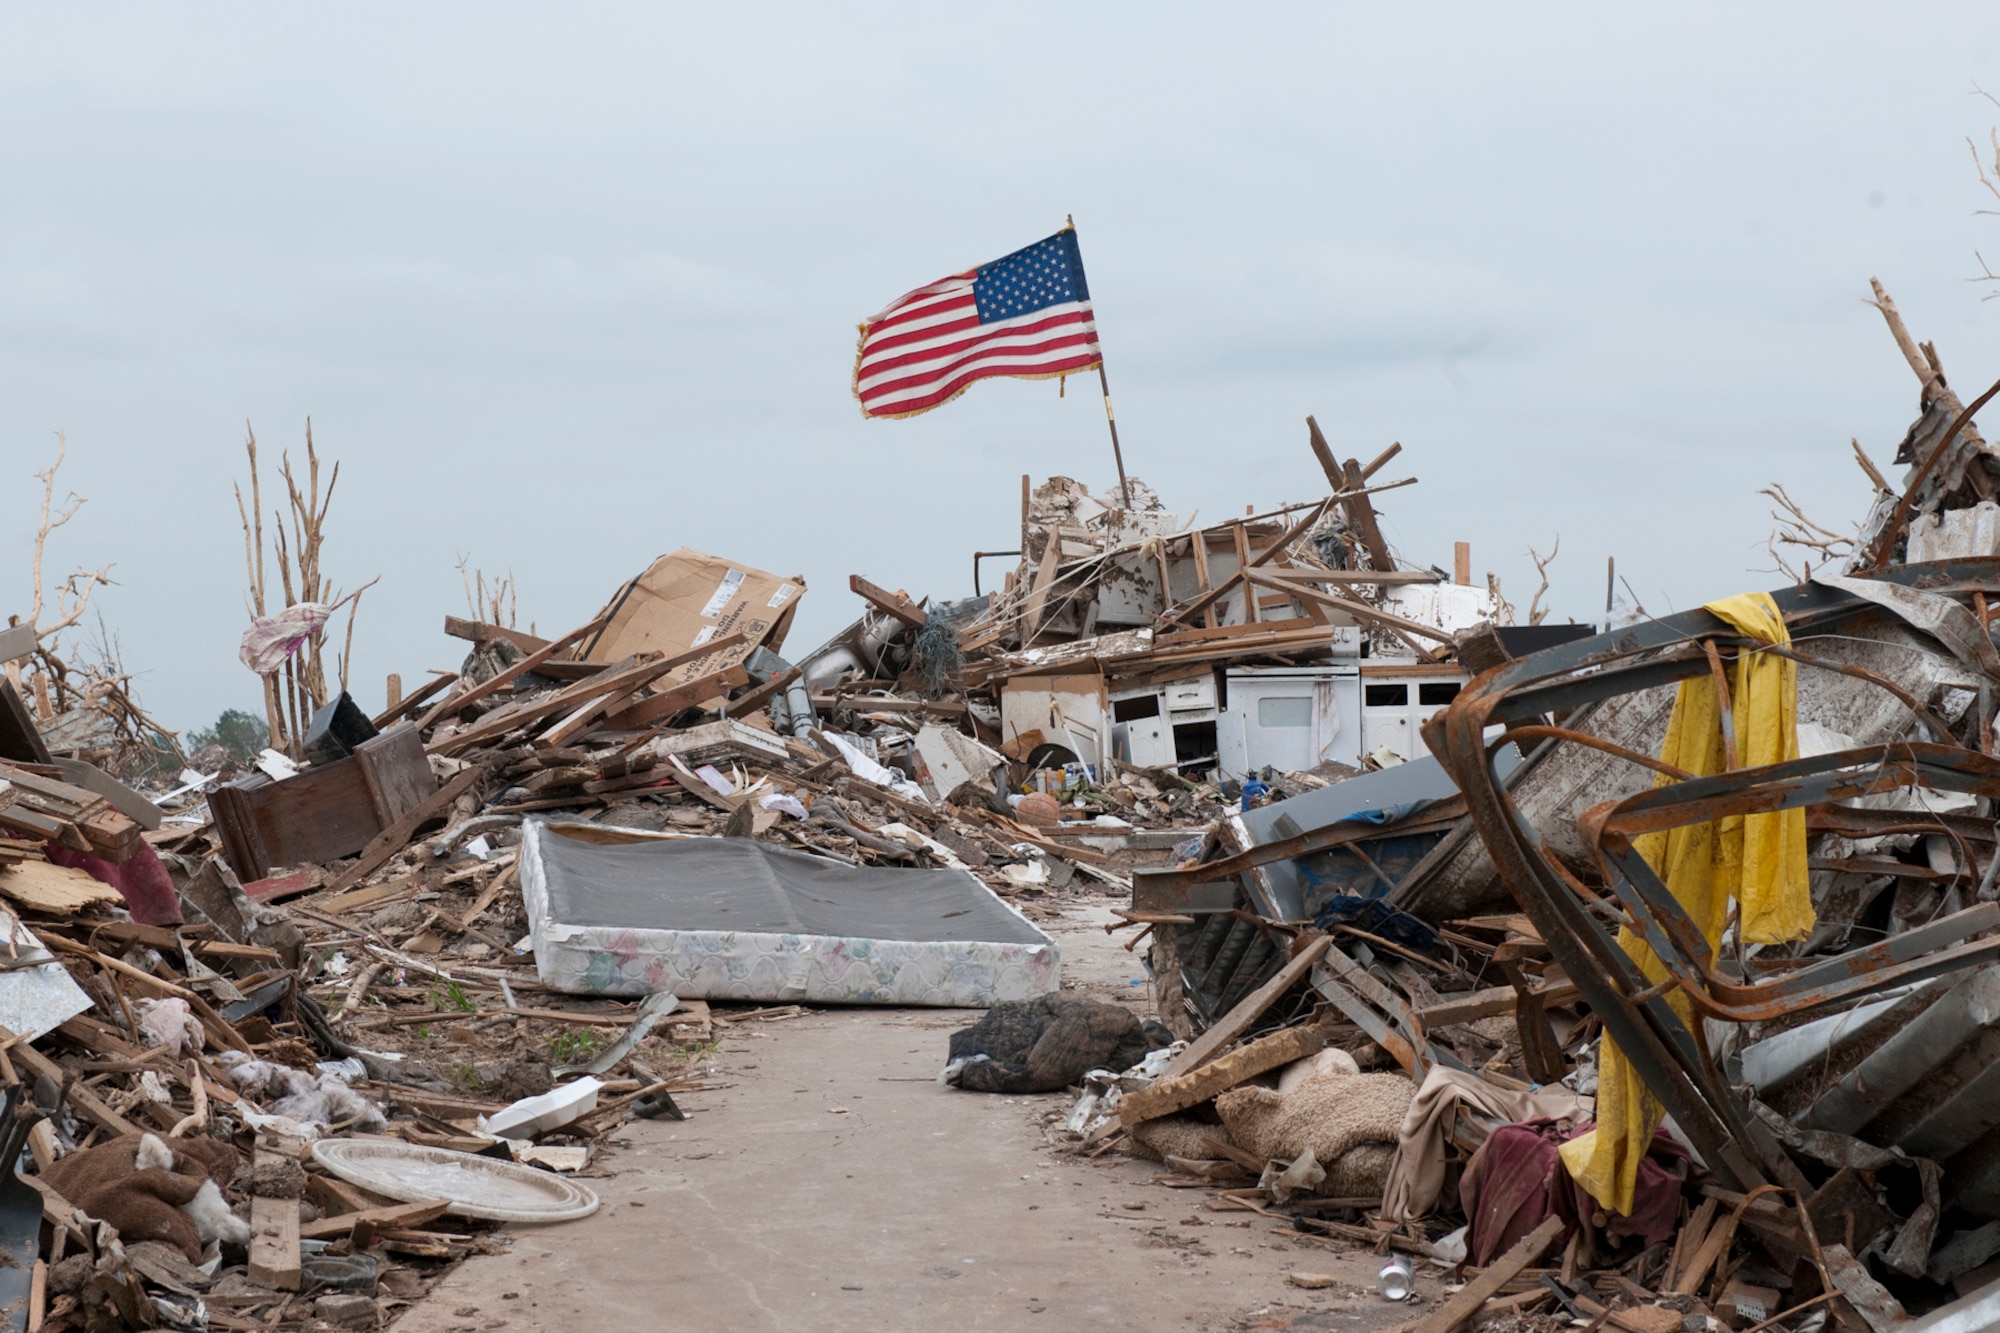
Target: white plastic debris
(869,771)
(783,804)
(276,766)
(551,1110)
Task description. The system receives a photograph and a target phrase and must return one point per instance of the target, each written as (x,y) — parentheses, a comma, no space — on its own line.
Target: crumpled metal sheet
(1909,1253)
(1940,617)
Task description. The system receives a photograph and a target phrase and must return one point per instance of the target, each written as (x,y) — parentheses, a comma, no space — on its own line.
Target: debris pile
(1644,977)
(1659,995)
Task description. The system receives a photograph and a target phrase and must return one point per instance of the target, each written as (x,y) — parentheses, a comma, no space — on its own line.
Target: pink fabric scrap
(141,880)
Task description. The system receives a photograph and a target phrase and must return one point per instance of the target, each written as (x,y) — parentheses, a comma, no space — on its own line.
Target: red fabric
(141,880)
(1516,1180)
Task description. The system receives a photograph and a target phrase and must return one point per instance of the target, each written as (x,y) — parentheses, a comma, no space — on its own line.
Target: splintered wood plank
(1324,453)
(393,1217)
(887,602)
(1459,1310)
(274,1243)
(1361,514)
(1168,1095)
(1250,613)
(392,839)
(479,631)
(53,889)
(81,1099)
(508,676)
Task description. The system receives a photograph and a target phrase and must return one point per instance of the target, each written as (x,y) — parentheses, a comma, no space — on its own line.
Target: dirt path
(833,1185)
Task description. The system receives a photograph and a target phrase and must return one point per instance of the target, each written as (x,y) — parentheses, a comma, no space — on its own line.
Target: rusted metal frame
(1849,822)
(1378,1011)
(1930,950)
(1841,775)
(1658,1045)
(1537,731)
(1679,944)
(1727,711)
(1826,819)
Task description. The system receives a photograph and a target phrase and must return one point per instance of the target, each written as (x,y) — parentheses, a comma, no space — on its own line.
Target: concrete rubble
(399,981)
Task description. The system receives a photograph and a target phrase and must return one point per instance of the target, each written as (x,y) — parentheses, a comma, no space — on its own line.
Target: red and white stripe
(929,345)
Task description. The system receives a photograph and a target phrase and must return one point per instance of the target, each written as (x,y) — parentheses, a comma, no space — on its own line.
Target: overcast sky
(566,287)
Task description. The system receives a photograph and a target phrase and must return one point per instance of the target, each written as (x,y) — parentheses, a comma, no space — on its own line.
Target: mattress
(623,912)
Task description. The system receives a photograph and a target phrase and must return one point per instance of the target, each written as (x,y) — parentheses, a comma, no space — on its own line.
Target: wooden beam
(1038,592)
(1250,615)
(390,1217)
(1327,462)
(1459,1309)
(1199,545)
(1221,589)
(527,711)
(1361,609)
(644,712)
(1381,461)
(1166,1095)
(274,1237)
(478,631)
(16,642)
(586,713)
(412,702)
(888,603)
(85,1102)
(1361,514)
(1385,578)
(1494,1002)
(507,676)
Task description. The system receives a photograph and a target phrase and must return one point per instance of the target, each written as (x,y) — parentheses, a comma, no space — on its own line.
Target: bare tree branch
(1537,613)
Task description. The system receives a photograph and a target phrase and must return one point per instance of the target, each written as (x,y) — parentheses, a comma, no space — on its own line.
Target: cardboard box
(689,598)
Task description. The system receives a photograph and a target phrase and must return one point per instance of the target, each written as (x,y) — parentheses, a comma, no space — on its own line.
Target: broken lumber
(887,602)
(506,677)
(1167,1095)
(390,1217)
(394,838)
(1456,1312)
(1248,1010)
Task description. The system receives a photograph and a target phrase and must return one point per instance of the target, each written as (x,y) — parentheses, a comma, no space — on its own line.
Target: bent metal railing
(1580,925)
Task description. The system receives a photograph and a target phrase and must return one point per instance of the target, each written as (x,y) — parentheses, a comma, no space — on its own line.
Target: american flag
(1026,316)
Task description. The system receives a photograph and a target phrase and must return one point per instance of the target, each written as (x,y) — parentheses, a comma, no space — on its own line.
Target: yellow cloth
(1760,861)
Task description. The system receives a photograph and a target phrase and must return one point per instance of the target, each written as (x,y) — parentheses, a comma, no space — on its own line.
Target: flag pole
(1110,418)
(1124,488)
